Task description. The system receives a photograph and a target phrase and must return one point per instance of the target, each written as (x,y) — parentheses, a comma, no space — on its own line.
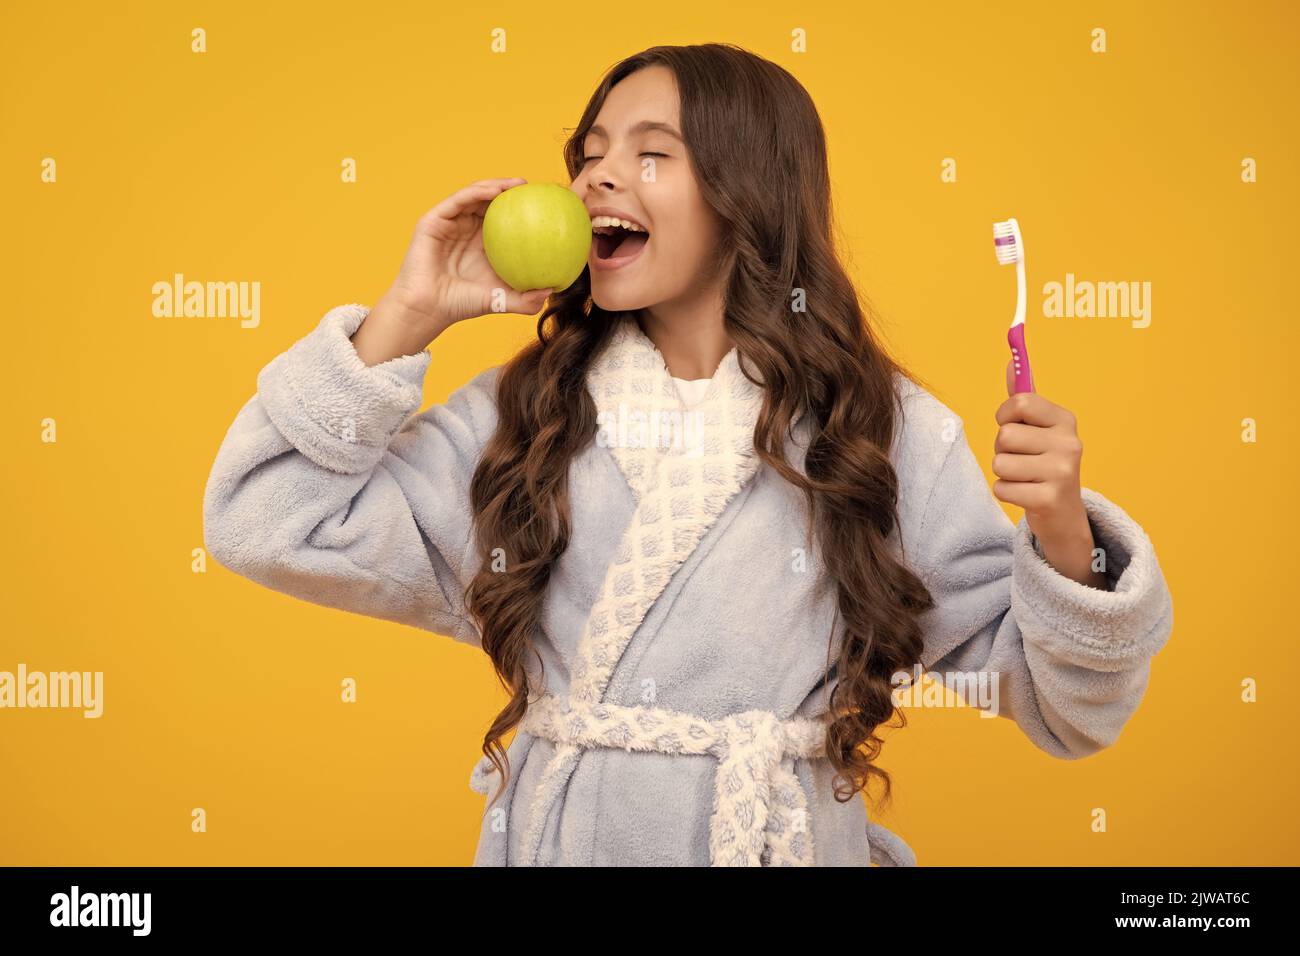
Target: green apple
(537,236)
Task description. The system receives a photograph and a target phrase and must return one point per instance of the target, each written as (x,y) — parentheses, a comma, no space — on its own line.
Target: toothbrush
(1010,247)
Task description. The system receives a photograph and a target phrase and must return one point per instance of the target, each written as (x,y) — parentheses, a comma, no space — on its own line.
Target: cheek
(683,249)
(689,242)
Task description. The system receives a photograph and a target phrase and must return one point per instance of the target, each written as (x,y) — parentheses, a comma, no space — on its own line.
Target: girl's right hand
(446,276)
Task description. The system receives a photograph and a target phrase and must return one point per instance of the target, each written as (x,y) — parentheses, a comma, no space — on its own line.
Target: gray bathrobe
(685,631)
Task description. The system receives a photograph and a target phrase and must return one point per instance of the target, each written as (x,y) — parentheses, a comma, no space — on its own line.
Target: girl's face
(637,165)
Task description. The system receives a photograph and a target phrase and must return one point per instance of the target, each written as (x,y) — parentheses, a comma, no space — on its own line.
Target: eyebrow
(644,126)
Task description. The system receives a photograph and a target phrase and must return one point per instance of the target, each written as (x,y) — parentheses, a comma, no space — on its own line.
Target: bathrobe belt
(760,816)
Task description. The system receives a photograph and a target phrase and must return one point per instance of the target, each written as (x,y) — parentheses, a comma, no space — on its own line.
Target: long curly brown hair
(759,155)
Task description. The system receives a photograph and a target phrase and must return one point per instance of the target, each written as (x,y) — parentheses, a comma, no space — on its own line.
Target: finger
(1030,495)
(474,197)
(512,180)
(526,303)
(1023,439)
(1011,376)
(1014,467)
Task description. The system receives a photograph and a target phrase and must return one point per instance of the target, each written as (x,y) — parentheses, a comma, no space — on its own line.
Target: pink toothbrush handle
(1016,339)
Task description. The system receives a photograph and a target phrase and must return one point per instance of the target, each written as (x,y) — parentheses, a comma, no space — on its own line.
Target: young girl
(702,524)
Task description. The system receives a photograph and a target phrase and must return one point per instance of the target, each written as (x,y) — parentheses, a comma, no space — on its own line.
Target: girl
(703,524)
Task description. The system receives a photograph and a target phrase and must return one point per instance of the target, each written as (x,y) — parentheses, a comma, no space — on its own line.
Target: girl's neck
(692,341)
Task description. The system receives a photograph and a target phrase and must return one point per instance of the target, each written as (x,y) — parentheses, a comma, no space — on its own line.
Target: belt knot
(760,813)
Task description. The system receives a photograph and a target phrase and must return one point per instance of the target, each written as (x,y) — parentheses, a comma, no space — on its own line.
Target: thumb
(527,303)
(1011,377)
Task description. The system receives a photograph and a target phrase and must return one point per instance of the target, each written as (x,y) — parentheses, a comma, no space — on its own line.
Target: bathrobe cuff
(1101,630)
(330,405)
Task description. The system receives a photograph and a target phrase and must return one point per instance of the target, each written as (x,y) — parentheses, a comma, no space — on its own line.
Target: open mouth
(613,242)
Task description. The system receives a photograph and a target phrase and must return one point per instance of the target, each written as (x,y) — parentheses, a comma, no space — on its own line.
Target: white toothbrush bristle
(1007,243)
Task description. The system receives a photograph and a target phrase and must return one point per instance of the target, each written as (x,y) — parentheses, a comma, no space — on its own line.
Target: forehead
(648,94)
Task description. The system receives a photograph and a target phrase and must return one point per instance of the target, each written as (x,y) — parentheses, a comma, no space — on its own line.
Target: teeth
(608,222)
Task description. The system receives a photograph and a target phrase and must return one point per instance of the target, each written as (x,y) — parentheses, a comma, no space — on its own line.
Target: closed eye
(587,159)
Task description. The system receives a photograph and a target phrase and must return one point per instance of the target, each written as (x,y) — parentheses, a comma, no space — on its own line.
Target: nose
(593,190)
(595,178)
(605,173)
(600,177)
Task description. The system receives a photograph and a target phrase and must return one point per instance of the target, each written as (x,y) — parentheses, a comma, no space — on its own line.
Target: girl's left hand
(1036,456)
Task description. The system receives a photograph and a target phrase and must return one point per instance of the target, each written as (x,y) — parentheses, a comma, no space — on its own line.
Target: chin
(618,300)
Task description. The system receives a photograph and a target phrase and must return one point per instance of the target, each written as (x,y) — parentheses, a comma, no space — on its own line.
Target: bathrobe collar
(683,465)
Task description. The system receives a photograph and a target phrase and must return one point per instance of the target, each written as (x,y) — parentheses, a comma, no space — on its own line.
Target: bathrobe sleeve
(1072,661)
(327,489)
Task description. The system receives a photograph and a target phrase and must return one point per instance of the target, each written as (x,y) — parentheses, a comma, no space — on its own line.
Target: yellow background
(225,166)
